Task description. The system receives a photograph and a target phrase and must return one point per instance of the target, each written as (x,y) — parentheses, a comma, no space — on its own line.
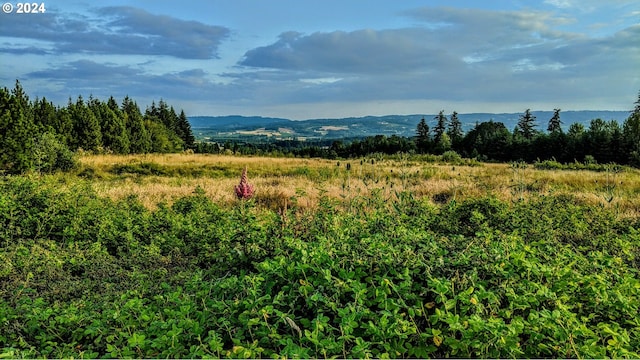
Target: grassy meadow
(156,178)
(152,256)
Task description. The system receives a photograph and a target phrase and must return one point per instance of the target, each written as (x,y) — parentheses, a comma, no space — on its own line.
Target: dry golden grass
(277,180)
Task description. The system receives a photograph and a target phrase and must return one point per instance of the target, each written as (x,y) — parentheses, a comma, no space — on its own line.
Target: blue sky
(308,59)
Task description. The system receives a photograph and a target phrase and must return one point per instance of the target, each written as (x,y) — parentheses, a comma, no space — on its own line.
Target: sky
(302,59)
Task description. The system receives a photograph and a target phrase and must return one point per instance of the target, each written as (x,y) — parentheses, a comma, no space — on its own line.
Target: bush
(87,277)
(50,155)
(451,157)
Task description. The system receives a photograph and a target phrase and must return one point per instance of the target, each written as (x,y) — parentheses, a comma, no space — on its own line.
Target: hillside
(234,126)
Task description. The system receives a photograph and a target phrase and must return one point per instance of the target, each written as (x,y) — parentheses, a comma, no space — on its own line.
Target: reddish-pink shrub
(244,190)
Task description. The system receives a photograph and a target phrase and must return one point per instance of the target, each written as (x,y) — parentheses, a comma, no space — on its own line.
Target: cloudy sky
(331,58)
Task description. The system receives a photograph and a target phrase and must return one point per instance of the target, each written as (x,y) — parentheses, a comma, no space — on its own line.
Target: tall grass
(163,178)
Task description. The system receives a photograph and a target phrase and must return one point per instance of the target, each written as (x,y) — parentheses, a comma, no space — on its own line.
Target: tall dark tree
(423,140)
(44,115)
(441,126)
(631,135)
(139,138)
(166,115)
(113,105)
(87,134)
(526,125)
(615,147)
(455,130)
(598,139)
(114,132)
(576,142)
(554,122)
(490,139)
(184,129)
(17,130)
(64,126)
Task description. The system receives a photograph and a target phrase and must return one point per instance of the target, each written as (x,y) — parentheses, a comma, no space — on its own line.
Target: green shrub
(451,157)
(87,277)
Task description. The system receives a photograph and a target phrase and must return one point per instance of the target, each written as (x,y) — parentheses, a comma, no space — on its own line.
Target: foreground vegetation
(352,260)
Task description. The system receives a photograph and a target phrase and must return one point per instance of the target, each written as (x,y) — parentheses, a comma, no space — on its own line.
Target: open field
(279,179)
(152,256)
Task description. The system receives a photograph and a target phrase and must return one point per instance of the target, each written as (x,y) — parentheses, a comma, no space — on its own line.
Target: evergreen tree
(441,126)
(44,115)
(63,126)
(17,131)
(184,128)
(113,105)
(114,132)
(631,135)
(455,130)
(576,142)
(139,138)
(554,122)
(166,115)
(162,139)
(615,147)
(422,136)
(175,123)
(597,140)
(86,128)
(526,125)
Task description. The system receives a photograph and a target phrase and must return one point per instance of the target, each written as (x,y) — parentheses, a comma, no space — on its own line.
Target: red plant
(244,190)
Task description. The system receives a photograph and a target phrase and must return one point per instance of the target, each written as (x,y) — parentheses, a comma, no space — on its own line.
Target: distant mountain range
(235,126)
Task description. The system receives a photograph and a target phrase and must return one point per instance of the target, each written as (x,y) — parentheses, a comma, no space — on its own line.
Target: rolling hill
(236,126)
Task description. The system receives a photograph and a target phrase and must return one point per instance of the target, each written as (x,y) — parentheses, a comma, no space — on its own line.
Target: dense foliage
(36,135)
(84,276)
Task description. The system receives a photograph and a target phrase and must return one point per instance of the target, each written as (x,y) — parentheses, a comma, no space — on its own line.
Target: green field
(151,256)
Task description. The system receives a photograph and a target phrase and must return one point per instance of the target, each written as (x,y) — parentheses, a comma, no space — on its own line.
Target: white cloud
(563,4)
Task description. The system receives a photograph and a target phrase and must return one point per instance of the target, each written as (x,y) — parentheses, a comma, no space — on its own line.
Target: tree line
(37,135)
(602,141)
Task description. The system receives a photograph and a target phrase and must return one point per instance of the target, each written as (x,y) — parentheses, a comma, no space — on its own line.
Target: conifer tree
(455,129)
(422,136)
(17,130)
(63,126)
(526,125)
(114,132)
(184,128)
(86,128)
(44,115)
(631,135)
(441,126)
(139,138)
(554,122)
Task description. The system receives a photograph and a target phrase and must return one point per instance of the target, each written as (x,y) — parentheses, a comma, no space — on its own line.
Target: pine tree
(63,126)
(86,128)
(44,115)
(526,125)
(422,136)
(139,138)
(114,131)
(17,131)
(455,130)
(441,126)
(554,122)
(185,129)
(631,135)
